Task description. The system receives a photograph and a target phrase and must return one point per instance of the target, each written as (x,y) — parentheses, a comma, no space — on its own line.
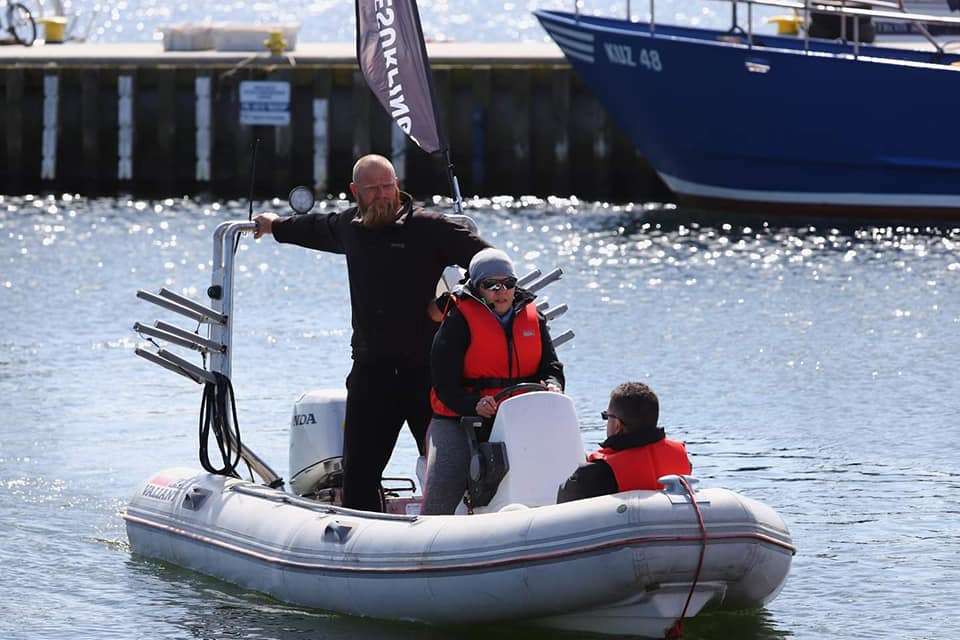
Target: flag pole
(454,184)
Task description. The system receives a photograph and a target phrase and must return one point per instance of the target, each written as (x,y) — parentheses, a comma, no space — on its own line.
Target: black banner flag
(393,59)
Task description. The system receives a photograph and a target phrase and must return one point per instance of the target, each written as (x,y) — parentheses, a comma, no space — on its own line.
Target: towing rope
(676,630)
(215,417)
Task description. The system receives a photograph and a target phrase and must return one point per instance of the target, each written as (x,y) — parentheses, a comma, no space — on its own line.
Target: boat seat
(542,436)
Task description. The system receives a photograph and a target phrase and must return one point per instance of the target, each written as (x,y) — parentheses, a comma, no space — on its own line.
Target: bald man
(395,254)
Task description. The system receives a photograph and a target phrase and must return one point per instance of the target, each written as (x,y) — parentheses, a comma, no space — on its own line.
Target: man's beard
(379,213)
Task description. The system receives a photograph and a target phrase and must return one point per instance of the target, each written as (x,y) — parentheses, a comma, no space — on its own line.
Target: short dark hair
(636,405)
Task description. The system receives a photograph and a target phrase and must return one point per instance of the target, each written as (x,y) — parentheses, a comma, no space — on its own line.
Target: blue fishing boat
(734,120)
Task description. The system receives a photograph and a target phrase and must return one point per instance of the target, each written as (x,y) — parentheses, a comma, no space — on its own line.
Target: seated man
(635,453)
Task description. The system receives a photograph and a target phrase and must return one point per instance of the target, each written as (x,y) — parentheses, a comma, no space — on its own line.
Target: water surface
(811,368)
(334,20)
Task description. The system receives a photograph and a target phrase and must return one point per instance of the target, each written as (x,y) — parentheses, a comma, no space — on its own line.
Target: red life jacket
(491,362)
(639,467)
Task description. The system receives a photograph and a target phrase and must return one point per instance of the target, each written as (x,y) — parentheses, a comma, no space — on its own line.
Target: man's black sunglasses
(605,415)
(493,284)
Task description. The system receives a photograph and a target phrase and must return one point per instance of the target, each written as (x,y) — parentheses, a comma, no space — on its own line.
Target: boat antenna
(253,179)
(454,184)
(253,176)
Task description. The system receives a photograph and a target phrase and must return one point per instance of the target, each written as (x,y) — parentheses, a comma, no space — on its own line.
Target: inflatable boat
(632,563)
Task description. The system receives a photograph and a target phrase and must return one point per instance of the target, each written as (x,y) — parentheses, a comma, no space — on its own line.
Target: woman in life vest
(635,453)
(492,337)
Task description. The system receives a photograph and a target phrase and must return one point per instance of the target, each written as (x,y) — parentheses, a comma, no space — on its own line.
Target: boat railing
(886,10)
(225,239)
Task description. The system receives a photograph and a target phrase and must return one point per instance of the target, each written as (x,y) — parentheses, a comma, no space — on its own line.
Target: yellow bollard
(786,25)
(53,29)
(275,43)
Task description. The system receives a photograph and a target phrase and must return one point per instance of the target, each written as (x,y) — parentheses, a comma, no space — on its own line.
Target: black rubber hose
(215,418)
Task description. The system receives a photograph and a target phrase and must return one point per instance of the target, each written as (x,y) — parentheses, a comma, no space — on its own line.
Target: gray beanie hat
(490,263)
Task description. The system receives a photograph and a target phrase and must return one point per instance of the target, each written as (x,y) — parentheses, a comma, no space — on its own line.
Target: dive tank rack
(215,346)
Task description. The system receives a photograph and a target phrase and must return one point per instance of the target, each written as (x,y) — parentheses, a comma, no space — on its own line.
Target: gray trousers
(448,463)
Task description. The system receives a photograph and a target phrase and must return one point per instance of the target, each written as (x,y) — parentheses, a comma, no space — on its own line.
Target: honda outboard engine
(316,442)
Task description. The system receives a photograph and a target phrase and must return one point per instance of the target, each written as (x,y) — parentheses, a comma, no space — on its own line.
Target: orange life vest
(639,467)
(492,361)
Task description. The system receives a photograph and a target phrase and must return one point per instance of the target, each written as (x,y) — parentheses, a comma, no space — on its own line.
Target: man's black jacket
(393,274)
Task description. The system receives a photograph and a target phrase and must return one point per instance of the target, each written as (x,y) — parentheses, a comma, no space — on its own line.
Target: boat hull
(769,125)
(616,564)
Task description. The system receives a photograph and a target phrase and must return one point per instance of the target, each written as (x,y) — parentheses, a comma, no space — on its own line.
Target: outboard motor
(316,442)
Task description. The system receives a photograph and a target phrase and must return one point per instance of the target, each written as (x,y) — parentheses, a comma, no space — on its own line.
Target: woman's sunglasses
(490,284)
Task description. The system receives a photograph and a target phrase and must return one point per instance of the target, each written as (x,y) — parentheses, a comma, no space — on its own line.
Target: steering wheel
(523,387)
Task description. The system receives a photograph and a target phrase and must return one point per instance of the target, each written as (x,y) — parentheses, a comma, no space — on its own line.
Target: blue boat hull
(772,126)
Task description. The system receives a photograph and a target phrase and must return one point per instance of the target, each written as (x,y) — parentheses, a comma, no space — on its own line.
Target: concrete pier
(106,119)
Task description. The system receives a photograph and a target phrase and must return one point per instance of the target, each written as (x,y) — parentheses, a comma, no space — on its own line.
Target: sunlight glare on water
(806,367)
(334,20)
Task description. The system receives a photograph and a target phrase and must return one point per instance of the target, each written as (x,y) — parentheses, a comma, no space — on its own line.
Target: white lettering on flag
(392,56)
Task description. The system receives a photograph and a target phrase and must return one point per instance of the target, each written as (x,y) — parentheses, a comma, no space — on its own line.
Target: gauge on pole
(301,199)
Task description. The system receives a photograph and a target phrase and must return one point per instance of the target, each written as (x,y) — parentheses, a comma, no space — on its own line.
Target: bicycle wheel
(21,25)
(35,7)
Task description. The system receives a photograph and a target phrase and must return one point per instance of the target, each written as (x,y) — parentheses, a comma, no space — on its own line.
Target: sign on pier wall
(265,103)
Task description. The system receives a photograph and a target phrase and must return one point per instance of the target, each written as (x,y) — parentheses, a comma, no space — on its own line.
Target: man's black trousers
(380,397)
